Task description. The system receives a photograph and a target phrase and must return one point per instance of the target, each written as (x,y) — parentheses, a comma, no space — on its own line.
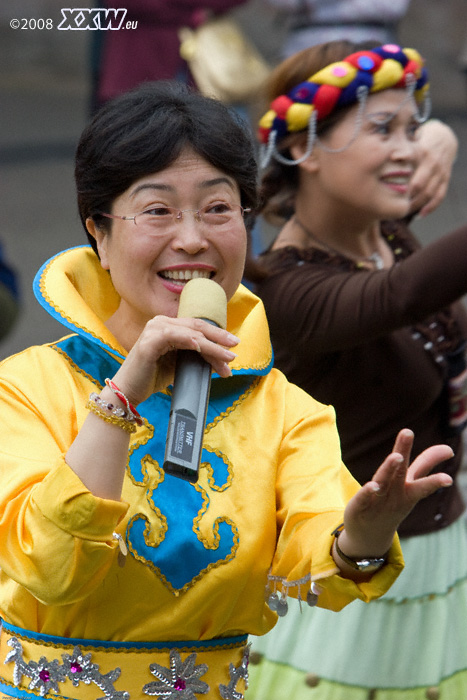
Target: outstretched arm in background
(373,515)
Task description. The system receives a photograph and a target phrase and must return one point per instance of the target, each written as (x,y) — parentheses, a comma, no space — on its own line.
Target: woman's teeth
(185,275)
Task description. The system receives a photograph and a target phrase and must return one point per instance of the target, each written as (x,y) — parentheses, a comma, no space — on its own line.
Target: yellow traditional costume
(171,618)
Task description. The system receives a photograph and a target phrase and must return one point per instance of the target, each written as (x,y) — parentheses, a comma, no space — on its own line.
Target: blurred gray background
(44,98)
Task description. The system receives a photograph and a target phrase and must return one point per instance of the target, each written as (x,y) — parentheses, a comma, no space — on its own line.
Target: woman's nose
(404,147)
(189,233)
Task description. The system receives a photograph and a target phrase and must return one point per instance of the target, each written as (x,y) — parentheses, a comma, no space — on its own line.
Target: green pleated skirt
(411,644)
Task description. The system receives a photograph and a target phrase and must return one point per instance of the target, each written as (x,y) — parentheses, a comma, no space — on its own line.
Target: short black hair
(144,131)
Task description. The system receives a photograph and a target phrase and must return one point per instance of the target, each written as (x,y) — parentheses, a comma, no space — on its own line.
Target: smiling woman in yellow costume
(118,580)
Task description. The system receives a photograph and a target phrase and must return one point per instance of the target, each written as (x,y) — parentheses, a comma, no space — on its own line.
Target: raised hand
(373,515)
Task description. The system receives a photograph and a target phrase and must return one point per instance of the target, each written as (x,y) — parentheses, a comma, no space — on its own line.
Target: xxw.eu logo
(94,18)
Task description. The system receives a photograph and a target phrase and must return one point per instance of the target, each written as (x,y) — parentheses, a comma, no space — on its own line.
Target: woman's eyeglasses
(157,220)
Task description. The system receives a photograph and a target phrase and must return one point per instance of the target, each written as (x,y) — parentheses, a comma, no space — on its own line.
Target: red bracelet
(119,394)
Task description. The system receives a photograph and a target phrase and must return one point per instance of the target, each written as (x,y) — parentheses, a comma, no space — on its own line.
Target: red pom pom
(281,104)
(325,99)
(412,67)
(263,134)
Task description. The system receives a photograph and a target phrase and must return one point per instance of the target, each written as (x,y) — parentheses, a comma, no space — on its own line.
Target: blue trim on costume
(72,641)
(12,692)
(170,540)
(94,361)
(36,286)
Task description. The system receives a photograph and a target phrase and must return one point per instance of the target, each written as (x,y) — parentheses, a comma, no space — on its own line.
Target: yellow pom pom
(298,116)
(338,74)
(420,94)
(387,76)
(413,55)
(267,119)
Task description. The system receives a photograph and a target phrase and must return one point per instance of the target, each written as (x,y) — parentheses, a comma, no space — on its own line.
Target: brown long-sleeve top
(379,346)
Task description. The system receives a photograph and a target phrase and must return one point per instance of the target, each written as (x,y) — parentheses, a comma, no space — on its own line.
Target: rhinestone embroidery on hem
(229,692)
(45,675)
(181,681)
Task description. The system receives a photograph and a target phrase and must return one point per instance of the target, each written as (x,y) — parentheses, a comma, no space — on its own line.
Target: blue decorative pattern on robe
(176,506)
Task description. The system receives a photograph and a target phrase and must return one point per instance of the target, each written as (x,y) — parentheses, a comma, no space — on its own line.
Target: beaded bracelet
(110,408)
(129,407)
(126,424)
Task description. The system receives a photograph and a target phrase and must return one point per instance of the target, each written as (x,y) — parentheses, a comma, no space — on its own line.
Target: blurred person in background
(121,60)
(311,22)
(9,295)
(358,311)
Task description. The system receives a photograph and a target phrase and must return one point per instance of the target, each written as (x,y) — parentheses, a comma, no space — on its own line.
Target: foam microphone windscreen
(204,298)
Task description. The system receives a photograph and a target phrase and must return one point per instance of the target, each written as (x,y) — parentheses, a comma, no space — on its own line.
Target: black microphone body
(190,398)
(205,299)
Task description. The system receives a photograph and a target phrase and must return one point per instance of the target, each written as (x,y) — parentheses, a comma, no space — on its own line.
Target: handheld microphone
(200,298)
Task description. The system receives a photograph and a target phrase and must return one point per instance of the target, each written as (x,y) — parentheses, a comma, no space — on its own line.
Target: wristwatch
(368,565)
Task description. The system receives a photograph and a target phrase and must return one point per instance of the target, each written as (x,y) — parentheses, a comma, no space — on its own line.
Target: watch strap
(364,564)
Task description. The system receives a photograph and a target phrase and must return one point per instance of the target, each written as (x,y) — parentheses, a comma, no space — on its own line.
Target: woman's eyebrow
(152,186)
(205,184)
(217,181)
(382,116)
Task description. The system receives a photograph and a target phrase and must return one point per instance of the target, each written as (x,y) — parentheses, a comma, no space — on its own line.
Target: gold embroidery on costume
(234,405)
(75,366)
(56,308)
(210,470)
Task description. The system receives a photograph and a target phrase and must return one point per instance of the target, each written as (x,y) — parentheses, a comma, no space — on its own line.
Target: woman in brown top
(366,320)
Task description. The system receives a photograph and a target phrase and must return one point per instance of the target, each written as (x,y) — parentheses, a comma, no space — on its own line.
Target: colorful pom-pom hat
(338,85)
